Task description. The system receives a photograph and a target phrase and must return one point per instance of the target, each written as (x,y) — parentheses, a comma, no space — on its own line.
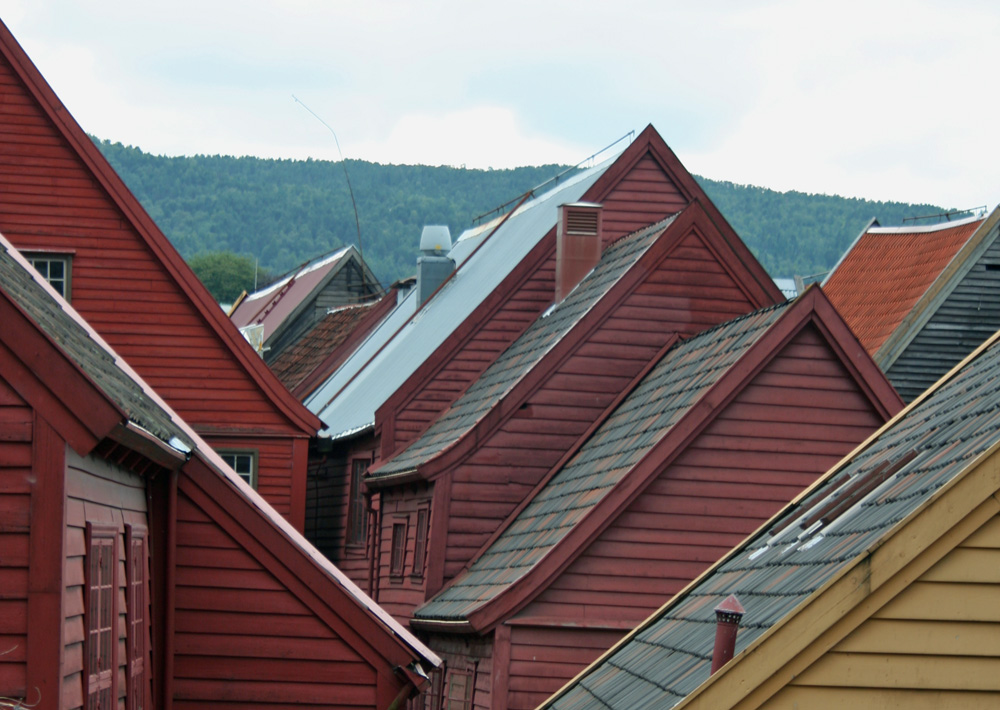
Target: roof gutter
(155,449)
(444,625)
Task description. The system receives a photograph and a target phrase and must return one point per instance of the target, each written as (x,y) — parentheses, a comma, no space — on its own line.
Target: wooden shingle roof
(828,540)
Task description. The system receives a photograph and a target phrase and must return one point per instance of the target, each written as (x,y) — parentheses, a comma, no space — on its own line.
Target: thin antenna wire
(350,189)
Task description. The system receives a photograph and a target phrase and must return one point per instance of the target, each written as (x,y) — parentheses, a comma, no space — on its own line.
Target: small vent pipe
(578,244)
(727,625)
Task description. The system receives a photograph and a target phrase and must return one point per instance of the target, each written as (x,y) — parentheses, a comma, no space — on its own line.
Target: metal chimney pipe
(727,625)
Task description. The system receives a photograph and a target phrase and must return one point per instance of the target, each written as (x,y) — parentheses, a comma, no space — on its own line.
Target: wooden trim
(500,678)
(46,551)
(137,654)
(438,536)
(299,475)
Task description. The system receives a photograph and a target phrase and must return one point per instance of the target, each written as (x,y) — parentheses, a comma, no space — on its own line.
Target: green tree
(225,275)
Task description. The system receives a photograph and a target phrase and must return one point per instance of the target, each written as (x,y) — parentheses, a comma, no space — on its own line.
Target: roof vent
(434,266)
(727,625)
(578,244)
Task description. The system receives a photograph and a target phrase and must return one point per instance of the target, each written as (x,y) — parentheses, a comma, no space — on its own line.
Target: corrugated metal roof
(270,306)
(670,655)
(659,402)
(407,337)
(887,270)
(298,360)
(525,352)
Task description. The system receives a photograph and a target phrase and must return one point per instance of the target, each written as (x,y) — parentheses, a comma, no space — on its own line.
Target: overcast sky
(883,100)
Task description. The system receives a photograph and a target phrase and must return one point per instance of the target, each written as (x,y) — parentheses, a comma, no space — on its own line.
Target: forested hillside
(284,212)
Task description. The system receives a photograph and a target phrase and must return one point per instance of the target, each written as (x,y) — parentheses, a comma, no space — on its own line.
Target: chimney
(433,265)
(578,244)
(727,625)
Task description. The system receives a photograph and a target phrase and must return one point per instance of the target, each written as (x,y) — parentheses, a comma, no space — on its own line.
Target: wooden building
(920,298)
(876,588)
(138,570)
(708,441)
(424,356)
(67,210)
(280,314)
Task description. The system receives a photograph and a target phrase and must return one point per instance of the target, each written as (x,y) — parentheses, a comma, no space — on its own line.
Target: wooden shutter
(357,518)
(420,542)
(101,619)
(137,613)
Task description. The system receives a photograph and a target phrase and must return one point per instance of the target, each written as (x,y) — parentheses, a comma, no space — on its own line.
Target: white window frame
(232,458)
(41,261)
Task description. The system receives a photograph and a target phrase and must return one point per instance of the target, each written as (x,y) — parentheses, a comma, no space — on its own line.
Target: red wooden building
(136,569)
(396,385)
(699,448)
(66,209)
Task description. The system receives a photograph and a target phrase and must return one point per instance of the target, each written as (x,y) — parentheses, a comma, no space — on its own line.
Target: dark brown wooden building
(717,434)
(67,210)
(137,570)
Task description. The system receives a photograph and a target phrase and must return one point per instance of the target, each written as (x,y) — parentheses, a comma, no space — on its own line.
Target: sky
(880,100)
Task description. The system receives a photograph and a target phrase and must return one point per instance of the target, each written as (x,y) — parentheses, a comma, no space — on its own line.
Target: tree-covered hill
(284,212)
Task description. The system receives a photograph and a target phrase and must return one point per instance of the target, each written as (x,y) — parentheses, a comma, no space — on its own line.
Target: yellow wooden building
(879,587)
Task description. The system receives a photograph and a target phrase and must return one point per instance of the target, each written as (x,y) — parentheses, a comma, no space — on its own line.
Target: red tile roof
(887,270)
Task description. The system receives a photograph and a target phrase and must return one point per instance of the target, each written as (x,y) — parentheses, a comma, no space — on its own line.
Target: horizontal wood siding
(96,492)
(643,196)
(508,464)
(49,200)
(490,338)
(472,653)
(15,512)
(967,317)
(542,660)
(400,594)
(937,644)
(794,420)
(243,639)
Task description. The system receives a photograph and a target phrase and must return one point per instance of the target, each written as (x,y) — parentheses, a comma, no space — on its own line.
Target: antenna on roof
(946,216)
(350,189)
(555,178)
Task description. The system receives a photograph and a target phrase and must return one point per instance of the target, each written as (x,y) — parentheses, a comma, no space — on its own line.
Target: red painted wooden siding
(798,417)
(542,660)
(243,639)
(15,506)
(466,653)
(687,292)
(645,195)
(99,492)
(50,201)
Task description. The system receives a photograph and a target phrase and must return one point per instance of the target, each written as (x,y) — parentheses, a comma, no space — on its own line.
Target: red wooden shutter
(398,558)
(357,519)
(101,623)
(420,543)
(137,610)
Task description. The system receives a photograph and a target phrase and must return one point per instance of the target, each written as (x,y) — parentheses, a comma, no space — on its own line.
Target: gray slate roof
(670,656)
(65,328)
(525,352)
(659,402)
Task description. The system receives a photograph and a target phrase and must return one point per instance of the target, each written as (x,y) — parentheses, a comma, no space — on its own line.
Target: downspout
(370,512)
(171,595)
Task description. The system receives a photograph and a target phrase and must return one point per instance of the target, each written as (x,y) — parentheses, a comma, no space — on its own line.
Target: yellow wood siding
(935,645)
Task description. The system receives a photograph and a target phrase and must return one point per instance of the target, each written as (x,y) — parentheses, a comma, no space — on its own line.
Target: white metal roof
(347,401)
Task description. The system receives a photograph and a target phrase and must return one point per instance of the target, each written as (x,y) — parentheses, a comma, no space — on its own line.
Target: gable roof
(146,417)
(887,270)
(524,354)
(187,283)
(278,304)
(485,256)
(822,557)
(653,424)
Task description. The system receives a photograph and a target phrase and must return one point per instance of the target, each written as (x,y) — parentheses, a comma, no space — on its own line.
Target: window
(136,564)
(461,685)
(54,268)
(244,463)
(420,543)
(101,617)
(357,516)
(398,558)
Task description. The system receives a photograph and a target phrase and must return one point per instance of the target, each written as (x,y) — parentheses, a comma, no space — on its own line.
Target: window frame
(61,257)
(469,687)
(356,530)
(397,540)
(100,538)
(421,538)
(254,463)
(137,646)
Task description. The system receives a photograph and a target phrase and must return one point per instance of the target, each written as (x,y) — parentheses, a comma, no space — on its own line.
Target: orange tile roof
(887,270)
